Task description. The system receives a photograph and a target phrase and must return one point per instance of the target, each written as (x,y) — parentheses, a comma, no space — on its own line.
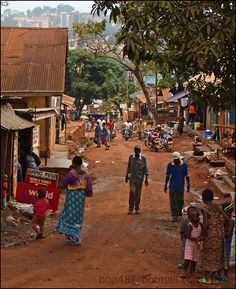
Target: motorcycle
(166,141)
(113,135)
(127,133)
(88,127)
(153,141)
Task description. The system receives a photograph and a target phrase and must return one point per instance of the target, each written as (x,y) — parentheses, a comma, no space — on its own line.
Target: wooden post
(65,121)
(221,123)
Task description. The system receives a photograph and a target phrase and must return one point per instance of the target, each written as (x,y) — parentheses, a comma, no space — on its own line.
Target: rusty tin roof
(33,60)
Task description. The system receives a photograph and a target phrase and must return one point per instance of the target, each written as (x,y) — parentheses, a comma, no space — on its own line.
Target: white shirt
(128,125)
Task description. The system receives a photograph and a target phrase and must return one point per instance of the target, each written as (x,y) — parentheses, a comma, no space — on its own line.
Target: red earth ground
(118,250)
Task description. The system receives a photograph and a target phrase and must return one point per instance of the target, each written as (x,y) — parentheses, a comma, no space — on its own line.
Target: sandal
(203,281)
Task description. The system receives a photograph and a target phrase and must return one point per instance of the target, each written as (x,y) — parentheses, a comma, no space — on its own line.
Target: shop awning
(11,121)
(38,113)
(178,95)
(68,100)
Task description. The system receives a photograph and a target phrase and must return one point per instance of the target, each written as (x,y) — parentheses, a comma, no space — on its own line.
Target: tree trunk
(120,109)
(121,113)
(79,106)
(150,106)
(80,109)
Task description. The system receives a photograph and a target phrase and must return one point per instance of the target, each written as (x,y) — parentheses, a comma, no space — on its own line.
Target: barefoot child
(40,208)
(192,254)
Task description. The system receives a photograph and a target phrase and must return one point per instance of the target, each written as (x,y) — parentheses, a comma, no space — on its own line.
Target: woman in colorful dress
(214,247)
(104,136)
(78,186)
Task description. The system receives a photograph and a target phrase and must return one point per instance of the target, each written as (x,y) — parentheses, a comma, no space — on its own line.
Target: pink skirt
(192,251)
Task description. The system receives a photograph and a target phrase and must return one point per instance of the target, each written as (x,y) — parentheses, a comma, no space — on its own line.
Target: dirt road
(118,250)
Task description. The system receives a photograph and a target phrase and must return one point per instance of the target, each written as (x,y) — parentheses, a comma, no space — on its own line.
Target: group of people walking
(205,242)
(103,133)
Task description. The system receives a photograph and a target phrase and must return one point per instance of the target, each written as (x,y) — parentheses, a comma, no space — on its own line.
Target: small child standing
(183,235)
(192,254)
(41,206)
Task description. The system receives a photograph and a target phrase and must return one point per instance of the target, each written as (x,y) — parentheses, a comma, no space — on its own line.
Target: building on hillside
(33,67)
(34,21)
(167,111)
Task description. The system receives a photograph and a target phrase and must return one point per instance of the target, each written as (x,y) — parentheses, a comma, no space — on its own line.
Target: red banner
(27,193)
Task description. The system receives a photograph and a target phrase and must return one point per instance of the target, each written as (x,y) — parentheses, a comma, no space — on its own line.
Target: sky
(81,6)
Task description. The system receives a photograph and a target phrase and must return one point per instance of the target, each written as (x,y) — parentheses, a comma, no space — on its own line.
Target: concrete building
(35,21)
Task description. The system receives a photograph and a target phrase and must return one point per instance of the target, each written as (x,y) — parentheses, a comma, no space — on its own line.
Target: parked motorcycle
(153,141)
(158,140)
(88,126)
(166,140)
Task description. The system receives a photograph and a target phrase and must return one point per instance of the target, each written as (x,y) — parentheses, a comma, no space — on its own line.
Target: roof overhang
(38,113)
(68,100)
(178,96)
(11,121)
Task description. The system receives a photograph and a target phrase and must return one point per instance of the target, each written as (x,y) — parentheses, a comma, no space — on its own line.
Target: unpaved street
(118,250)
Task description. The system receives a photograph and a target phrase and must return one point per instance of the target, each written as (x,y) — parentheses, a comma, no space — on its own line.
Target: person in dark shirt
(176,172)
(30,160)
(136,170)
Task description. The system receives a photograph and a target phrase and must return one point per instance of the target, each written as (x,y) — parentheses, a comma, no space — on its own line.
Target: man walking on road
(176,172)
(136,170)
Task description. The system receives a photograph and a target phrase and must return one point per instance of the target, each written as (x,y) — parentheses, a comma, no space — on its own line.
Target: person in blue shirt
(177,171)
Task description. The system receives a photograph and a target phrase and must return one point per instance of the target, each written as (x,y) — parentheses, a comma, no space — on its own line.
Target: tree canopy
(184,38)
(90,78)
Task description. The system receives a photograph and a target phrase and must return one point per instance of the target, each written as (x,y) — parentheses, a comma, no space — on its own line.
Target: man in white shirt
(128,124)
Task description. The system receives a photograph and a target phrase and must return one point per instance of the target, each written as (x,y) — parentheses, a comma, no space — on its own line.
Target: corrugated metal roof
(11,121)
(178,95)
(33,59)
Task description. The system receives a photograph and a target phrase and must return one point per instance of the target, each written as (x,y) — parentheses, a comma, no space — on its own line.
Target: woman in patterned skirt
(214,247)
(78,186)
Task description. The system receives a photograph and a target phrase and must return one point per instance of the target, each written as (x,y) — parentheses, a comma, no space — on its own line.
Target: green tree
(65,8)
(114,103)
(9,21)
(92,37)
(28,13)
(37,11)
(183,37)
(90,78)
